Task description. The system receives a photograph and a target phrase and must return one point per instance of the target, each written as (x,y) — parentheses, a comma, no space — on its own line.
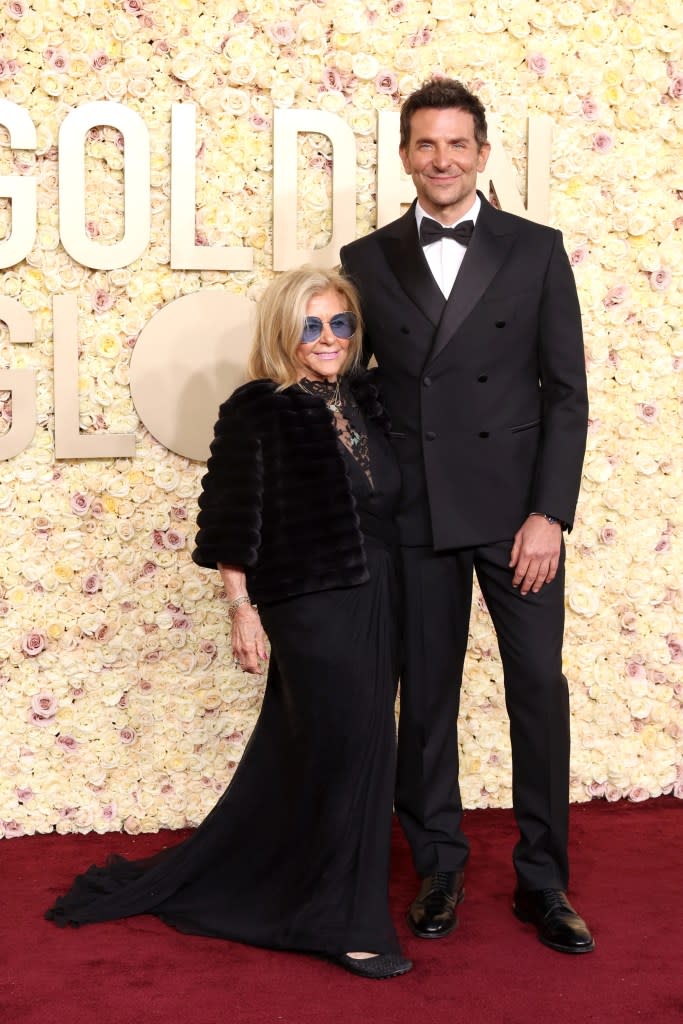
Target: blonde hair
(280,316)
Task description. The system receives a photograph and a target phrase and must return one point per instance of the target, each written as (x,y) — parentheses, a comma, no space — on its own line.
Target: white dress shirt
(445,255)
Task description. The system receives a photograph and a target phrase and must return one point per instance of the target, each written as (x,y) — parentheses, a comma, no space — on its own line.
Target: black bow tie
(432,231)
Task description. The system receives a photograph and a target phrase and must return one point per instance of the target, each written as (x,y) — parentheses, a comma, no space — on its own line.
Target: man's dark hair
(442,93)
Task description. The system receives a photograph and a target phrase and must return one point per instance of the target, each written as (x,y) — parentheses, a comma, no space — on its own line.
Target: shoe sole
(444,931)
(373,977)
(572,950)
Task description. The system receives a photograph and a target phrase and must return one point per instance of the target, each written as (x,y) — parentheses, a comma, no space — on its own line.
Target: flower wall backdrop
(120,706)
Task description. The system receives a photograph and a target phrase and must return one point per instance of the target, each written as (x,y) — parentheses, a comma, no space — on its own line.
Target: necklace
(327,390)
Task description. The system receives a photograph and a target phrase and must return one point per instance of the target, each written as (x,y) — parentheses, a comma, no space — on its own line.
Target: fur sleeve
(229,517)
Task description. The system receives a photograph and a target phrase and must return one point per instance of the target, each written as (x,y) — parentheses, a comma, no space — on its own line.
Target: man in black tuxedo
(477,334)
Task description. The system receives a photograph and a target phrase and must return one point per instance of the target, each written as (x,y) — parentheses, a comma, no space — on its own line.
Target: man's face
(443,159)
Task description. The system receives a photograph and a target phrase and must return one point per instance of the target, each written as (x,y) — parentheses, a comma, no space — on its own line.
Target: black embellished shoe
(384,965)
(557,923)
(433,912)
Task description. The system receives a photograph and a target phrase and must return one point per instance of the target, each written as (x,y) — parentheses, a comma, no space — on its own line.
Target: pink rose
(397,7)
(132,825)
(148,570)
(578,255)
(634,670)
(602,142)
(590,108)
(612,793)
(648,411)
(597,789)
(101,300)
(161,47)
(179,512)
(616,295)
(91,229)
(386,82)
(24,793)
(637,794)
(182,621)
(33,643)
(259,123)
(127,735)
(92,583)
(132,7)
(539,64)
(97,508)
(8,68)
(172,540)
(80,503)
(675,647)
(12,829)
(675,89)
(208,647)
(282,32)
(99,60)
(419,38)
(331,80)
(68,743)
(44,704)
(660,279)
(608,535)
(16,9)
(58,61)
(664,543)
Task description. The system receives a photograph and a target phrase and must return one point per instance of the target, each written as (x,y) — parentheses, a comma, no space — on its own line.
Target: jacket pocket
(525,426)
(397,434)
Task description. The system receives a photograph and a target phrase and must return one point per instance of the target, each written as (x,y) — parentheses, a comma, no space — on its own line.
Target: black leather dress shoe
(558,924)
(384,965)
(433,912)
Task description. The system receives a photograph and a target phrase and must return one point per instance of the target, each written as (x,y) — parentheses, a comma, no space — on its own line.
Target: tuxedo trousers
(529,629)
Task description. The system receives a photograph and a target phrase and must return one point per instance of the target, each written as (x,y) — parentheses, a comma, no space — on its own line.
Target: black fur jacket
(276,499)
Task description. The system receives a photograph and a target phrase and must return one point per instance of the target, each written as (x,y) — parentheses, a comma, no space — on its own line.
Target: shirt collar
(471,214)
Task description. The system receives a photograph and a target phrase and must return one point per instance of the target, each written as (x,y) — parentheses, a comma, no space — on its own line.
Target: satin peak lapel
(485,255)
(404,256)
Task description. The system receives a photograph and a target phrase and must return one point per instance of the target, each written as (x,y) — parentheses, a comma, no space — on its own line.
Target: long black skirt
(295,854)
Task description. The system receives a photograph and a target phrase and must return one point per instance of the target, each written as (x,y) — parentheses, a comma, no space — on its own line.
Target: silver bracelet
(236,603)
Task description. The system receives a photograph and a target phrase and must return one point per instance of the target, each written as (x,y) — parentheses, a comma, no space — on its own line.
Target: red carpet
(627,882)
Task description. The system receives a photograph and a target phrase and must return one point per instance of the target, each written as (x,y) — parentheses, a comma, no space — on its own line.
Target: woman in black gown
(296,513)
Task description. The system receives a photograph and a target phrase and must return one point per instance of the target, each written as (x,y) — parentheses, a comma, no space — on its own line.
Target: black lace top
(349,421)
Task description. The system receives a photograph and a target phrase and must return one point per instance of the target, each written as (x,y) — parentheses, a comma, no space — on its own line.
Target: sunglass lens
(313,327)
(343,325)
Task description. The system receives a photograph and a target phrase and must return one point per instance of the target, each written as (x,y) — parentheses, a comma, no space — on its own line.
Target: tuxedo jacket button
(483,378)
(427,381)
(483,433)
(405,330)
(430,435)
(500,323)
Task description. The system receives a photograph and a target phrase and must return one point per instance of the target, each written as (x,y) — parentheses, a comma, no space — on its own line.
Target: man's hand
(535,554)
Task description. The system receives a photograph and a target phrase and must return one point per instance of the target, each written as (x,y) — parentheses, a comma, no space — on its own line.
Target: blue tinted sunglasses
(342,325)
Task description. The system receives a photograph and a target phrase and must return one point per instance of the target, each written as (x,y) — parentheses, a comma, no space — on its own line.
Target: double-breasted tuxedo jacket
(486,393)
(496,428)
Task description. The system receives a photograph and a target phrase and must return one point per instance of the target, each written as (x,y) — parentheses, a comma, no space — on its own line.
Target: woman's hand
(248,640)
